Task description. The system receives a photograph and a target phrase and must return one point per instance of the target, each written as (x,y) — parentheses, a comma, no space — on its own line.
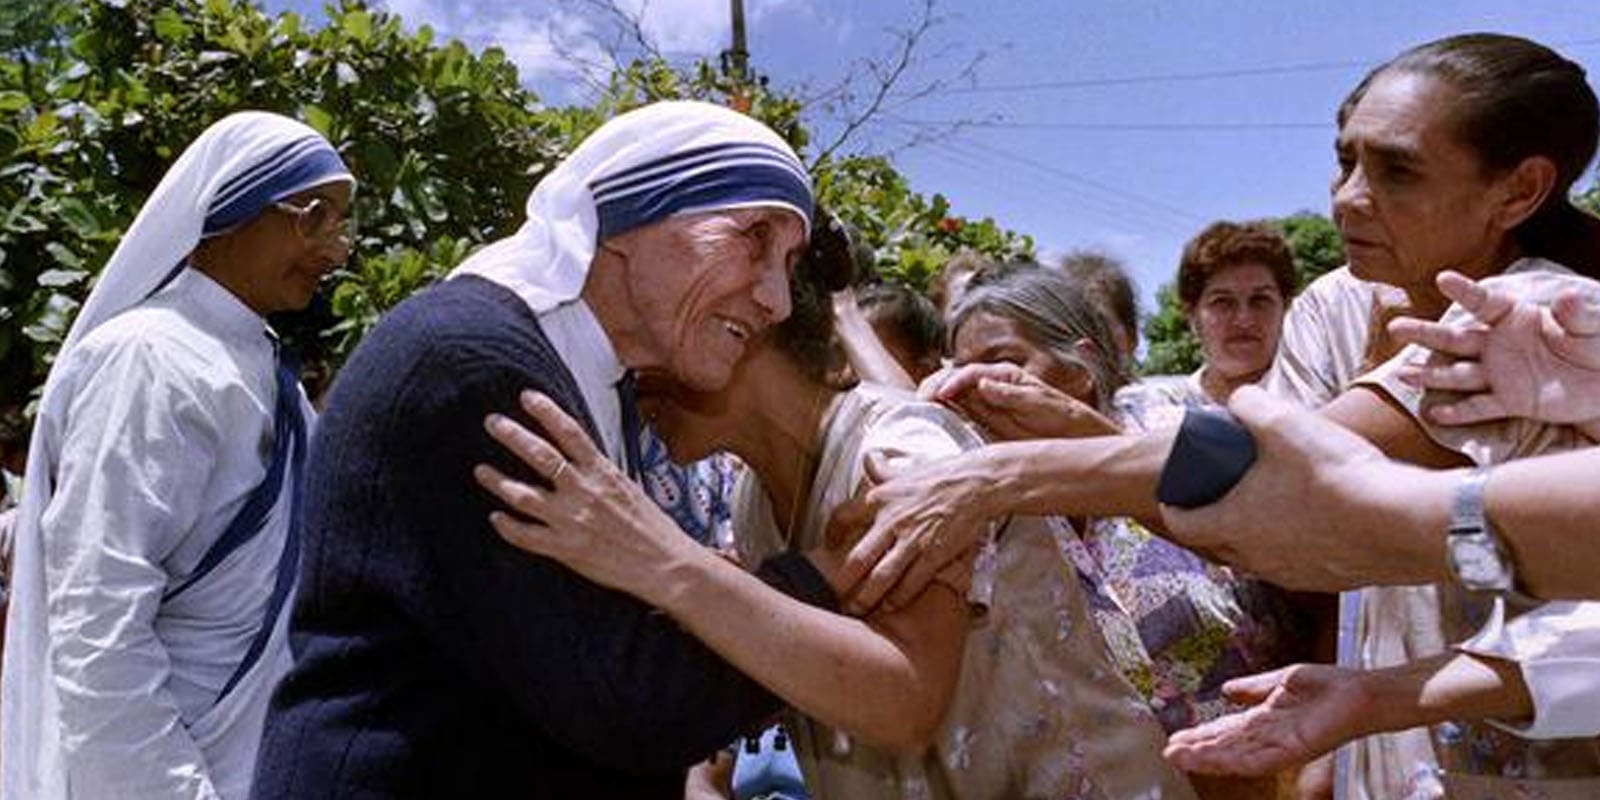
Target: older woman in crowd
(995,682)
(1178,626)
(1457,154)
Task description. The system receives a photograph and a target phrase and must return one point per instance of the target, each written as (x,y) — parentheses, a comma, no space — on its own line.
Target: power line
(1085,180)
(1063,197)
(1100,198)
(1151,127)
(1198,75)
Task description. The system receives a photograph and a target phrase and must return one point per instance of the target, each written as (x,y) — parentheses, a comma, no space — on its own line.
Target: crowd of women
(925,528)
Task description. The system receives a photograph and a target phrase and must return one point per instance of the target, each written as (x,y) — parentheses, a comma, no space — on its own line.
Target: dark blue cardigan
(434,660)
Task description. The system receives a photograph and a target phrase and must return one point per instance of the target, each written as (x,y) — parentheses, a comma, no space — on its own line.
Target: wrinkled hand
(1298,714)
(1520,359)
(594,519)
(1293,519)
(915,525)
(1012,404)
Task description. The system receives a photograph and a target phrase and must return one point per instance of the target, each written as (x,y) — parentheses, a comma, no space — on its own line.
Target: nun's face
(274,262)
(313,232)
(704,286)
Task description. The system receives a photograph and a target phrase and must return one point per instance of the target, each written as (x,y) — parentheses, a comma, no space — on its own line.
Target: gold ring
(555,476)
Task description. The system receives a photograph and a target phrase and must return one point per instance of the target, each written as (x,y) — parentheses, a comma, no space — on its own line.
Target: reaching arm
(1305,711)
(870,359)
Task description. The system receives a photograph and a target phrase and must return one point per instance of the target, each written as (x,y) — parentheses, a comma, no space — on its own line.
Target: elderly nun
(157,548)
(432,658)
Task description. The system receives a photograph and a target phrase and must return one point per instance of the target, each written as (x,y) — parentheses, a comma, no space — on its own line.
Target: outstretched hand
(1012,404)
(1520,359)
(908,529)
(1298,713)
(593,518)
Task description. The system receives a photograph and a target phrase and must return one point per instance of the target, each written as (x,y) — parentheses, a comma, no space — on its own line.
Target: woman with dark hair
(993,683)
(1234,283)
(1459,155)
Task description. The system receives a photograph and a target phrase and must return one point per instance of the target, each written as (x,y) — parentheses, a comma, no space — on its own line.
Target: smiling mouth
(738,330)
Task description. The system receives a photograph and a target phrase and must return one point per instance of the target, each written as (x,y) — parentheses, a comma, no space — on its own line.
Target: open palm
(1301,712)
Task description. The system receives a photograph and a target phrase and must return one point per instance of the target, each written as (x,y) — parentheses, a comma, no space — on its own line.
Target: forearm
(887,688)
(1545,509)
(1450,686)
(871,361)
(1102,476)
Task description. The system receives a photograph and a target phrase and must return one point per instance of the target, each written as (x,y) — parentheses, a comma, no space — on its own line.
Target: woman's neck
(1219,387)
(779,438)
(1427,302)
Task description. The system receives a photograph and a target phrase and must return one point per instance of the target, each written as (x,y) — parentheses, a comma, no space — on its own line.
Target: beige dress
(1039,710)
(1480,761)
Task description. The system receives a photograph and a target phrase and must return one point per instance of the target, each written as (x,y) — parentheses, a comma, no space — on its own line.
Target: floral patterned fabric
(1040,710)
(694,495)
(1179,626)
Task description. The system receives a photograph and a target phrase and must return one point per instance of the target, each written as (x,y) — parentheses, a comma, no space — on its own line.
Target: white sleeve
(137,451)
(1557,645)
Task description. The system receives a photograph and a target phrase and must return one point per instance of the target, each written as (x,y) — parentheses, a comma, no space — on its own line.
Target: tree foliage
(1171,345)
(99,97)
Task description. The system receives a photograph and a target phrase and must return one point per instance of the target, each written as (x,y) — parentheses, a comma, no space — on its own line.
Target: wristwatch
(1477,556)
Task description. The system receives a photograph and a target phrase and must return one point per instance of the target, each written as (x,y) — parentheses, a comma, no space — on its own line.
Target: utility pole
(736,62)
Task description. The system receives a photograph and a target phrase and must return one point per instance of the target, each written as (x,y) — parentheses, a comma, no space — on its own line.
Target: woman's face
(306,237)
(695,424)
(986,338)
(1409,198)
(1238,319)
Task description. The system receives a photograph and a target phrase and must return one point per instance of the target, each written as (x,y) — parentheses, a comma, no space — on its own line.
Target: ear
(1523,190)
(1084,386)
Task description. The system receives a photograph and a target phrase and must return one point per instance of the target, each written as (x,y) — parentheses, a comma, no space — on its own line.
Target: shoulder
(1536,280)
(157,351)
(896,423)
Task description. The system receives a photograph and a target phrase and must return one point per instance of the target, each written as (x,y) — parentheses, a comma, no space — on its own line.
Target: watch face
(1478,563)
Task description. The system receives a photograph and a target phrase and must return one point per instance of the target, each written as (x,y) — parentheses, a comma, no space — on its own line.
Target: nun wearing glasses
(156,550)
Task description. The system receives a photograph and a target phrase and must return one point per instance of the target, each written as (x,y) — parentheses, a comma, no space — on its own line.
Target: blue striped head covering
(662,160)
(237,168)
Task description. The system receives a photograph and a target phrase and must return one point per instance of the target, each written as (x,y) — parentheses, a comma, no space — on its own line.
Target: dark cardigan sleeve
(599,671)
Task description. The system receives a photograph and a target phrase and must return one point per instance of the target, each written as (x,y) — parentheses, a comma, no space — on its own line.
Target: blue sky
(1123,125)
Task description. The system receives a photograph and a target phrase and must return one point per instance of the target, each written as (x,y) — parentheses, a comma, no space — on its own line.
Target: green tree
(100,96)
(1171,345)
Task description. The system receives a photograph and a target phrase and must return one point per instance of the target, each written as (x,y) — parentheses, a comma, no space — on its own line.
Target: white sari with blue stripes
(157,548)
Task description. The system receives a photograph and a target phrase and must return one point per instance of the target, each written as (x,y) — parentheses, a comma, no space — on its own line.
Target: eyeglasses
(319,219)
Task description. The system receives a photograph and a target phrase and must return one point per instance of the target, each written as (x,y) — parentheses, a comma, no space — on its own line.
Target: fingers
(1461,342)
(563,430)
(537,453)
(1488,305)
(1460,376)
(849,520)
(883,575)
(1253,689)
(966,378)
(524,535)
(1229,745)
(524,499)
(879,468)
(1578,313)
(1472,410)
(923,571)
